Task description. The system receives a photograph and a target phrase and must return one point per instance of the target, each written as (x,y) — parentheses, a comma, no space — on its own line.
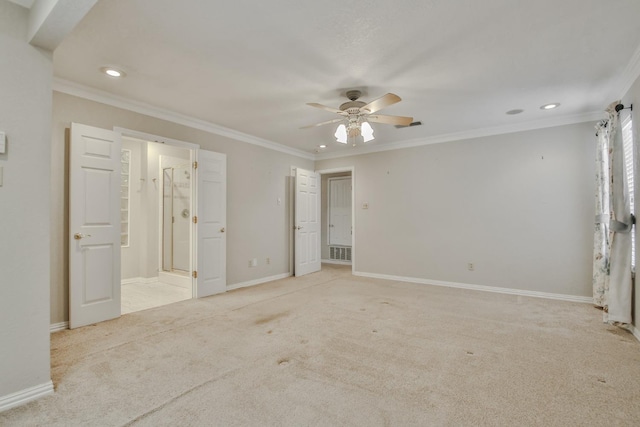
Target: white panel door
(212,219)
(307,222)
(94,225)
(340,211)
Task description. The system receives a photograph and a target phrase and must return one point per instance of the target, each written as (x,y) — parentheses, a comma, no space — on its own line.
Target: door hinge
(195,219)
(195,165)
(195,274)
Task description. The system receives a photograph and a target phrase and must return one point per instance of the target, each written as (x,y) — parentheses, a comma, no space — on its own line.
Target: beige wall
(518,206)
(25,116)
(256,177)
(633,97)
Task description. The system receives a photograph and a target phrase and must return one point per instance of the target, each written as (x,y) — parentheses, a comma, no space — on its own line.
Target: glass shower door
(176,228)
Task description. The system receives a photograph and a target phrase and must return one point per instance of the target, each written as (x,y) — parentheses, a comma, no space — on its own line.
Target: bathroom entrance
(157,224)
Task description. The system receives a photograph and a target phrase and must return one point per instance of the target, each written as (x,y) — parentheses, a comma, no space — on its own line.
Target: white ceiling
(459,65)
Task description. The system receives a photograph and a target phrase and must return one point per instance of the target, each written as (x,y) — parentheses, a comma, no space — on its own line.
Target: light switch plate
(3,143)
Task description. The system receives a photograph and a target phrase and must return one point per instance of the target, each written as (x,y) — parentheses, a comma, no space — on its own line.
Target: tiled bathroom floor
(141,296)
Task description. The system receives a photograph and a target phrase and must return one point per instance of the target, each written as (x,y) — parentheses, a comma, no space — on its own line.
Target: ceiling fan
(358,114)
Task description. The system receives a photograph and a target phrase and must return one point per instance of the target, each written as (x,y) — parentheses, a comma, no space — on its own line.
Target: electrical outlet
(253,262)
(470,266)
(268,260)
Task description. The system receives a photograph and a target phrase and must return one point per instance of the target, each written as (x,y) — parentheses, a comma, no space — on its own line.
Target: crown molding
(24,3)
(476,133)
(103,97)
(628,77)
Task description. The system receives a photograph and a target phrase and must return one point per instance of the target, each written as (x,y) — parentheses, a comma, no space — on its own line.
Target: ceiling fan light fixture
(341,134)
(367,131)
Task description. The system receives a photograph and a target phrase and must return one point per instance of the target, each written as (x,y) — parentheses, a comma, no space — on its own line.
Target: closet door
(340,211)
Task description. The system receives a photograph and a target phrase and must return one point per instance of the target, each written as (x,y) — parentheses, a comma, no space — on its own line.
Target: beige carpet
(329,349)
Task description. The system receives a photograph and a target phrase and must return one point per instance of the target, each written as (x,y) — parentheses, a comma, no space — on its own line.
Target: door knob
(79,236)
(222,230)
(299,227)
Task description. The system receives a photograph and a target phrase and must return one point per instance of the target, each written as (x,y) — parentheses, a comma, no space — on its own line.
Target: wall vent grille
(409,125)
(340,253)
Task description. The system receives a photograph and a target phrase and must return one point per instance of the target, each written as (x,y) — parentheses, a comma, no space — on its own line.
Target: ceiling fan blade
(323,123)
(380,103)
(390,120)
(324,107)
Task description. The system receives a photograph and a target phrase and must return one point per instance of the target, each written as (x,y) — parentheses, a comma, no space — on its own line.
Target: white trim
(627,78)
(460,136)
(103,97)
(509,291)
(635,331)
(97,95)
(257,281)
(138,280)
(24,3)
(335,261)
(57,327)
(24,396)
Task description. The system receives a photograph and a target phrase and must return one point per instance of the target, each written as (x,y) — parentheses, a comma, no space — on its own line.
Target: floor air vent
(340,253)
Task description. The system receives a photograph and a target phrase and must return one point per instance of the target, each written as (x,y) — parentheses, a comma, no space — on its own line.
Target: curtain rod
(621,107)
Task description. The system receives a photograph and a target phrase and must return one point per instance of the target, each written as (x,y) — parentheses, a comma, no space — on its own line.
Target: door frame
(292,189)
(193,156)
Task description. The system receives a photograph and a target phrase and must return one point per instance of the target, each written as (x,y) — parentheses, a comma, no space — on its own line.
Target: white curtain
(612,239)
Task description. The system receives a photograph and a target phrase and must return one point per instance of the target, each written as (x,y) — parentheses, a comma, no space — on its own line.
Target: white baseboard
(56,327)
(335,261)
(138,280)
(257,281)
(535,294)
(27,395)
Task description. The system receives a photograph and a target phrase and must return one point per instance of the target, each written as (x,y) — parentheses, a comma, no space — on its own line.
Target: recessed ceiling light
(516,111)
(322,146)
(550,106)
(112,72)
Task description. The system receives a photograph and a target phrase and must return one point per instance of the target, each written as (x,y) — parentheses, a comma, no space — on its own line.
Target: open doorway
(115,220)
(156,224)
(336,218)
(313,240)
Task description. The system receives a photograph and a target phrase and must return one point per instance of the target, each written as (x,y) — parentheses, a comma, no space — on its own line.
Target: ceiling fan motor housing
(352,107)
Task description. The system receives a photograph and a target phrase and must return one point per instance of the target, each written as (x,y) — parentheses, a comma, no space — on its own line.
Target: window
(627,143)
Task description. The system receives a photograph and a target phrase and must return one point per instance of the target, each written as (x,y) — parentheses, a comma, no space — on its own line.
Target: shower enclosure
(176,219)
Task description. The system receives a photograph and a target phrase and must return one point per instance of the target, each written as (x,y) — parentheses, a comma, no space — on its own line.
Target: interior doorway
(337,218)
(115,221)
(156,220)
(333,245)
